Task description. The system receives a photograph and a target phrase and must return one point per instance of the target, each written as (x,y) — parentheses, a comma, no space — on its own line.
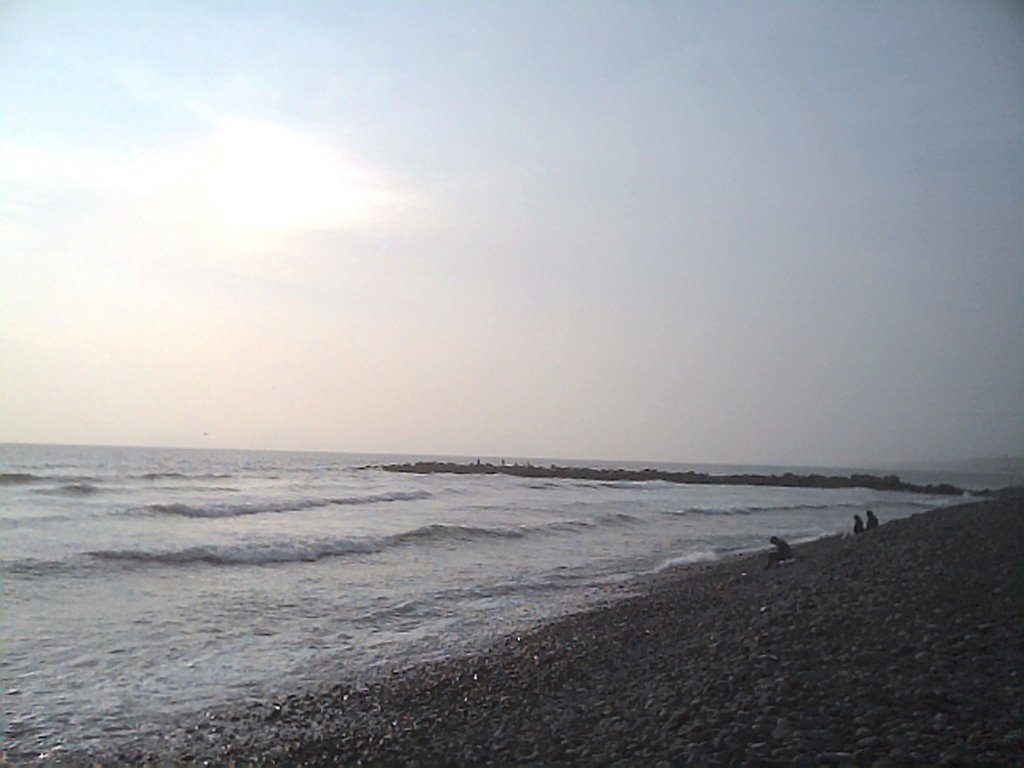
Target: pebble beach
(901,646)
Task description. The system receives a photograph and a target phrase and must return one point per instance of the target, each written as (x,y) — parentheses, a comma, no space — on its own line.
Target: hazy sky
(780,232)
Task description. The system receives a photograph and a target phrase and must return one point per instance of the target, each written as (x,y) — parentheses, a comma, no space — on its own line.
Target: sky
(745,232)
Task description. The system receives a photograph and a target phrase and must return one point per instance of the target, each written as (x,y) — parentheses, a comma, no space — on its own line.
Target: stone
(781,729)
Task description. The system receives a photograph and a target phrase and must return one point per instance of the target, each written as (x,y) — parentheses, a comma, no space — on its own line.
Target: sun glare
(262,178)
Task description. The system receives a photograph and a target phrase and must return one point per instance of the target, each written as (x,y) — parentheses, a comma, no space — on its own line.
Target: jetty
(598,474)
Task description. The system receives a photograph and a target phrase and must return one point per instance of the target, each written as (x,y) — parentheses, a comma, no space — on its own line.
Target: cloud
(261,177)
(85,169)
(243,187)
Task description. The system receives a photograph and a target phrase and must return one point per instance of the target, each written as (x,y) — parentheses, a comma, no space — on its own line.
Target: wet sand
(900,646)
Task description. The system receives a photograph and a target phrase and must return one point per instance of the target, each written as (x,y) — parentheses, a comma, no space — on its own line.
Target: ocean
(141,586)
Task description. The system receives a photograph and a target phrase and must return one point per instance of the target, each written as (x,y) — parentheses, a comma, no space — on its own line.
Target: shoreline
(786,480)
(896,647)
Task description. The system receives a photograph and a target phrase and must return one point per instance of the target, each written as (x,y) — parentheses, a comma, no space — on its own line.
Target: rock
(781,729)
(835,758)
(870,743)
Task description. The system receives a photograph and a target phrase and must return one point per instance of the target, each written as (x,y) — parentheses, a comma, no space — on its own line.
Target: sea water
(144,585)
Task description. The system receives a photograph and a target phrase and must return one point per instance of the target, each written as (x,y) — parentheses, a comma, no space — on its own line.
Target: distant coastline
(786,480)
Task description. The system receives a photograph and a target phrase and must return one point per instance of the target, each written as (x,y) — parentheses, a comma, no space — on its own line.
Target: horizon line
(907,464)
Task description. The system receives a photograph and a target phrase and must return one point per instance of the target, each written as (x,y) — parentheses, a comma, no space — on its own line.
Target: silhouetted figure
(858,524)
(782,552)
(872,520)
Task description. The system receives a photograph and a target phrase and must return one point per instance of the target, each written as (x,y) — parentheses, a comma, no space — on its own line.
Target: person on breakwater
(782,552)
(858,524)
(872,520)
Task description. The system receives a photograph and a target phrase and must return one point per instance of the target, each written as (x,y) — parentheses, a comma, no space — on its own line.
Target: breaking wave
(283,551)
(276,506)
(182,476)
(70,483)
(860,505)
(70,489)
(19,478)
(440,532)
(312,551)
(705,555)
(309,551)
(243,555)
(617,518)
(751,509)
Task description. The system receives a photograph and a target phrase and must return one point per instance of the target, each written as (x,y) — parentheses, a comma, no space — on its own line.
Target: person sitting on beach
(858,524)
(872,520)
(782,552)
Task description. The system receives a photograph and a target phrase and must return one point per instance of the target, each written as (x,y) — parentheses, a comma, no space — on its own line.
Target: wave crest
(70,489)
(751,509)
(297,552)
(219,510)
(19,478)
(182,476)
(243,555)
(447,532)
(308,551)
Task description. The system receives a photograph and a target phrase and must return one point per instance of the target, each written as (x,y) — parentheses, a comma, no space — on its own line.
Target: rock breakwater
(786,480)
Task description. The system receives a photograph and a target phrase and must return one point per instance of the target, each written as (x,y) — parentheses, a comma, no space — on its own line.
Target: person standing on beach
(858,524)
(782,552)
(872,520)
